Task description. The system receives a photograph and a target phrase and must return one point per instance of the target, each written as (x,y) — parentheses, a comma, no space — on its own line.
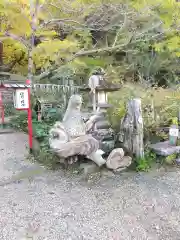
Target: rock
(107,146)
(89,168)
(117,160)
(164,148)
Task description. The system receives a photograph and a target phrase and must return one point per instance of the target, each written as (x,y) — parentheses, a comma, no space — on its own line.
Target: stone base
(164,148)
(102,132)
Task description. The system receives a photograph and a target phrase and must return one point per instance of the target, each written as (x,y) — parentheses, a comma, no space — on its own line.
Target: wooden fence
(61,93)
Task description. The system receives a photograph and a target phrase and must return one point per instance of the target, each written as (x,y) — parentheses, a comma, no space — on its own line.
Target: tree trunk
(33,13)
(131,130)
(1,53)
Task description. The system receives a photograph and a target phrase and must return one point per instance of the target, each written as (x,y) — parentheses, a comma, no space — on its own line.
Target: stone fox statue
(71,138)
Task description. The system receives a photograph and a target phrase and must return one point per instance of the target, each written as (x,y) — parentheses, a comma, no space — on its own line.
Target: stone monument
(72,138)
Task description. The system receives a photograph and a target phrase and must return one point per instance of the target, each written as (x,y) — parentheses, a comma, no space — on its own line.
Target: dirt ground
(60,206)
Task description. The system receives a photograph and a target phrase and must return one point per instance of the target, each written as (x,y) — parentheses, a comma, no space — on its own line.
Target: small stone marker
(174,132)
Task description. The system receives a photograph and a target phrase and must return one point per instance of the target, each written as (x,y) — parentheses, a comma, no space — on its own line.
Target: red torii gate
(22,90)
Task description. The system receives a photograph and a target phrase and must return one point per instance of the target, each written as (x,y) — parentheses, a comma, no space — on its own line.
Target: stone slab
(164,148)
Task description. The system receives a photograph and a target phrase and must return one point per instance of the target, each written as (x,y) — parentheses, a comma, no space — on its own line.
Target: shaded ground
(55,206)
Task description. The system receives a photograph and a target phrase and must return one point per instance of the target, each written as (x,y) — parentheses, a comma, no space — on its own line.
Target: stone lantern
(99,87)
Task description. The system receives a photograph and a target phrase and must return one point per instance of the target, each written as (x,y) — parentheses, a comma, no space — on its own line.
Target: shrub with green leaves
(40,129)
(145,163)
(159,106)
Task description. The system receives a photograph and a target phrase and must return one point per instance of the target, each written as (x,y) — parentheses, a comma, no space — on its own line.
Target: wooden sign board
(21,99)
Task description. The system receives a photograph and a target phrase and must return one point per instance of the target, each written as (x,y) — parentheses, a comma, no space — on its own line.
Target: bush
(9,109)
(145,163)
(159,106)
(40,133)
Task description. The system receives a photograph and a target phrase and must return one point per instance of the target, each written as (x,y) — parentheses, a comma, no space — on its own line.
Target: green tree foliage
(133,40)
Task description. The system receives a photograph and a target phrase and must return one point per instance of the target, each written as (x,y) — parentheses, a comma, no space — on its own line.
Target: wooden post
(30,128)
(131,130)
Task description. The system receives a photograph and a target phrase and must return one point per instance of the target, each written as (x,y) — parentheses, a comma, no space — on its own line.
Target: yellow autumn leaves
(16,17)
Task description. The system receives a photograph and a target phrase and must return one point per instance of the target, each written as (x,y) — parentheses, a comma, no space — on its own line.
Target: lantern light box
(21,99)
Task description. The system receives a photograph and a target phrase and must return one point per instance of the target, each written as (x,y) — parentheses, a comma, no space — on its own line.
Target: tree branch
(81,53)
(61,20)
(118,32)
(15,37)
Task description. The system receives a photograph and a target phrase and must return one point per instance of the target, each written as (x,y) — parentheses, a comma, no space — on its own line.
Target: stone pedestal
(104,133)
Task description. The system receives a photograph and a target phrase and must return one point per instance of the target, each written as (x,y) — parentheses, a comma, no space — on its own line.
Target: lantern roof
(105,86)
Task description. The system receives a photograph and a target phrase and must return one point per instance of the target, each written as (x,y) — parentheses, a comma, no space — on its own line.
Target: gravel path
(55,206)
